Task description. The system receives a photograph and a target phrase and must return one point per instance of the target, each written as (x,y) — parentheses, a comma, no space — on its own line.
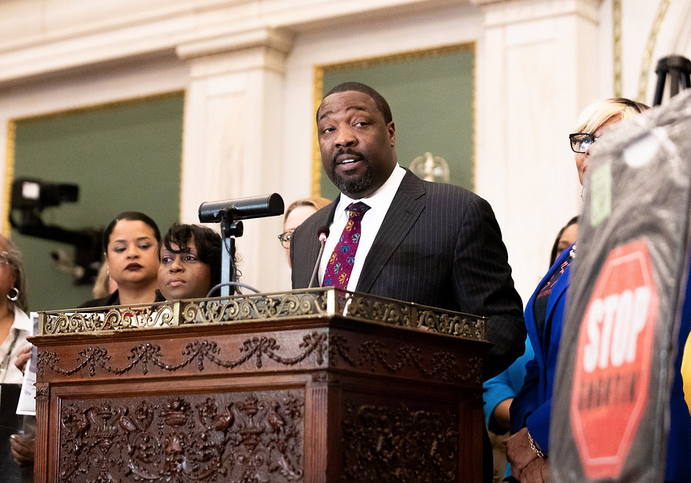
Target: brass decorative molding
(9,178)
(393,444)
(120,318)
(647,59)
(617,48)
(235,437)
(296,304)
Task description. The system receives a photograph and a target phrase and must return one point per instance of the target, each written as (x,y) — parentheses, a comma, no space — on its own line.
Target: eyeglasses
(4,258)
(285,238)
(581,141)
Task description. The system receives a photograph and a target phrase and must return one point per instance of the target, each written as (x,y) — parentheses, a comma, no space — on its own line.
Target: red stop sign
(615,342)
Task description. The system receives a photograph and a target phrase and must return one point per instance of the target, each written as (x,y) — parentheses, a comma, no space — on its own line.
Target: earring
(13,298)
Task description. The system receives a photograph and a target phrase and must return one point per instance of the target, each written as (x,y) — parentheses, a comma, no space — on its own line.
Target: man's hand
(22,448)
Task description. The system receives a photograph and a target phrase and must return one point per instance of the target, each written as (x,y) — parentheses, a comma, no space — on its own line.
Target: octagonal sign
(615,343)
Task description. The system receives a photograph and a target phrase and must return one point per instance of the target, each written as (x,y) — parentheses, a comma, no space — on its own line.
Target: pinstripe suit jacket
(438,245)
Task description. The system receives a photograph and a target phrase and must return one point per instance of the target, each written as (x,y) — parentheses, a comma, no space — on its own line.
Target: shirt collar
(21,320)
(379,199)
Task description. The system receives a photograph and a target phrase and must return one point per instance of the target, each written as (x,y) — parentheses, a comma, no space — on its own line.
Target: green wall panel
(431,95)
(124,157)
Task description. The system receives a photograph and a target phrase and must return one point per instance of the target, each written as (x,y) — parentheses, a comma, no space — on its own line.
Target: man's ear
(391,127)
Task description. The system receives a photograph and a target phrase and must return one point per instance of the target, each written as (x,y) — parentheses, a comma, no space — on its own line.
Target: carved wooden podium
(308,386)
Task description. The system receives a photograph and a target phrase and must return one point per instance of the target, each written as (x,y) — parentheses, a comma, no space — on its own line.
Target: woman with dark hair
(565,238)
(190,262)
(130,247)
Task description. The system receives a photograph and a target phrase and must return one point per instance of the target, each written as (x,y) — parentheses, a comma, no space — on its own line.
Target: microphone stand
(230,228)
(316,265)
(323,235)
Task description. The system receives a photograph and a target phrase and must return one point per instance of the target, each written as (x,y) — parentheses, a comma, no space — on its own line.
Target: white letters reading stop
(614,324)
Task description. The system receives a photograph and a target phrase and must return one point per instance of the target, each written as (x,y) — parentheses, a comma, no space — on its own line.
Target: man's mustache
(343,151)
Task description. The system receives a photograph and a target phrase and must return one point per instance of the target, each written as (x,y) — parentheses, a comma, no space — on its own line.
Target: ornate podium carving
(318,385)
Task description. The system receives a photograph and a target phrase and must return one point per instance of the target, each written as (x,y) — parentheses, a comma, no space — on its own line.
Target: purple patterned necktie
(340,264)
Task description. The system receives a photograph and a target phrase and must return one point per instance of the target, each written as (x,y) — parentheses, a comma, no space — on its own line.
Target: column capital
(275,39)
(499,12)
(255,48)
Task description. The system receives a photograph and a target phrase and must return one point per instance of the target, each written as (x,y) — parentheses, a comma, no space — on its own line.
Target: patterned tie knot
(356,210)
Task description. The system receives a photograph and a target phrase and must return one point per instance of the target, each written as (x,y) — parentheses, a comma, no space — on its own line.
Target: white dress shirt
(379,203)
(15,340)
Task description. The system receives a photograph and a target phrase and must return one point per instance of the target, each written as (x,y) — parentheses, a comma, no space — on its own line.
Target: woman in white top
(15,325)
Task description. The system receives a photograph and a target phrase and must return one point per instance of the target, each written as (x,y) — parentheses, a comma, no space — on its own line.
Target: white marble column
(535,55)
(232,135)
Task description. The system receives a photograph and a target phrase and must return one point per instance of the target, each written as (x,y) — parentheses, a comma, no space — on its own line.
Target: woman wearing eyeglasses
(190,262)
(14,323)
(15,326)
(528,447)
(297,212)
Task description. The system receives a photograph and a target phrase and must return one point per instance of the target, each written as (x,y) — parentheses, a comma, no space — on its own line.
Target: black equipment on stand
(678,69)
(30,197)
(229,214)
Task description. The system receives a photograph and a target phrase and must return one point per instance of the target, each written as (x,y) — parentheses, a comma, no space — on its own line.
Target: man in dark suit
(430,243)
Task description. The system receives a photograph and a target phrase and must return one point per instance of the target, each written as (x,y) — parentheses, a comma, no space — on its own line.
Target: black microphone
(323,235)
(241,209)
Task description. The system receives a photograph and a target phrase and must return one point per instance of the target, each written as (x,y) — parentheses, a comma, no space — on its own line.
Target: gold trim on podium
(295,304)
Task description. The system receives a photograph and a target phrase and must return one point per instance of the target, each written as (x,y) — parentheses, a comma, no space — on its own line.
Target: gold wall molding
(616,47)
(363,63)
(9,177)
(647,59)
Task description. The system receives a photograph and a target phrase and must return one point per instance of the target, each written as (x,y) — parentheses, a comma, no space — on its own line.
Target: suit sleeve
(525,412)
(483,285)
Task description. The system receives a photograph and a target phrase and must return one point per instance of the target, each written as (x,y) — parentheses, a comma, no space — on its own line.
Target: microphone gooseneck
(323,235)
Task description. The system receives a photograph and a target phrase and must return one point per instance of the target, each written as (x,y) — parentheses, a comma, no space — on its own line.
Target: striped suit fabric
(439,245)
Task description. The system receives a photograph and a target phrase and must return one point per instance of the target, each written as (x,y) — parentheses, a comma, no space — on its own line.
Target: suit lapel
(557,292)
(531,323)
(404,211)
(303,267)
